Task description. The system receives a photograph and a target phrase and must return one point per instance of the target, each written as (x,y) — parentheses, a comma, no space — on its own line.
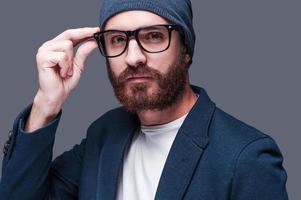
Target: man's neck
(178,109)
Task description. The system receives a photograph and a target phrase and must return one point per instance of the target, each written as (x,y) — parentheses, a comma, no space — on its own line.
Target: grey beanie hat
(178,12)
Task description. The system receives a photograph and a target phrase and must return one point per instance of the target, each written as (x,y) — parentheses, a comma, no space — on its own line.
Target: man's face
(147,81)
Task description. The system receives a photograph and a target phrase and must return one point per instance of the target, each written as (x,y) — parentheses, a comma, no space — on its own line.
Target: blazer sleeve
(28,171)
(259,173)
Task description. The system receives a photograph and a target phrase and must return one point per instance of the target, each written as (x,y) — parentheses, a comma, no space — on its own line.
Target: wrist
(42,112)
(46,107)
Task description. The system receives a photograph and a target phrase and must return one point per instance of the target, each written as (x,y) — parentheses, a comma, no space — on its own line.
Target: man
(168,141)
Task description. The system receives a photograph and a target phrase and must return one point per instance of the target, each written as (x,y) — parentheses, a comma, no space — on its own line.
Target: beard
(137,97)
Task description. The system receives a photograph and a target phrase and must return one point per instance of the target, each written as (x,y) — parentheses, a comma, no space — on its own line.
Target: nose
(135,56)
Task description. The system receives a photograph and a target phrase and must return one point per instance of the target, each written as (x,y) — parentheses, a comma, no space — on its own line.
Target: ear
(187,58)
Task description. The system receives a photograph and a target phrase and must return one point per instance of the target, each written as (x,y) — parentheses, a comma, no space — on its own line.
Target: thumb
(82,53)
(78,63)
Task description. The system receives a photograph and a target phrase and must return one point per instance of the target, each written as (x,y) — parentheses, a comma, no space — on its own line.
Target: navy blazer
(213,157)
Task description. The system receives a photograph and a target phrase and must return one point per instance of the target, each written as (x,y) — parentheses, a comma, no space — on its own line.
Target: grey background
(247,57)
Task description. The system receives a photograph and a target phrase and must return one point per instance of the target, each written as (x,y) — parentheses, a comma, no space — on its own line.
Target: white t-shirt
(145,159)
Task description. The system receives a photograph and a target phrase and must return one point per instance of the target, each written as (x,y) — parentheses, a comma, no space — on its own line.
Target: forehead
(130,20)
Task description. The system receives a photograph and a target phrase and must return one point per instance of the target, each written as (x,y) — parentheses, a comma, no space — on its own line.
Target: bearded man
(167,141)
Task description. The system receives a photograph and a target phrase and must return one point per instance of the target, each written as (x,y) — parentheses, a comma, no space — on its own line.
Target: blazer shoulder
(233,142)
(228,137)
(233,130)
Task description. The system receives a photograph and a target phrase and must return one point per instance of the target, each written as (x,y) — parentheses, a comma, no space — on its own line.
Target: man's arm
(258,172)
(28,171)
(59,72)
(27,161)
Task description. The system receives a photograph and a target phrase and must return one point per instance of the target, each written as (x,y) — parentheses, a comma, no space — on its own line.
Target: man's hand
(59,73)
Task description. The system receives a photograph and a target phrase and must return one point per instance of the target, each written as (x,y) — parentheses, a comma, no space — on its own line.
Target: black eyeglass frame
(134,34)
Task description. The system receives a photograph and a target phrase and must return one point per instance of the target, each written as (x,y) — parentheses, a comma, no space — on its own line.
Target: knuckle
(39,56)
(68,32)
(44,46)
(41,48)
(69,44)
(64,56)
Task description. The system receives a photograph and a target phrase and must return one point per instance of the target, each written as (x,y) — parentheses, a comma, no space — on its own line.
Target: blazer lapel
(187,149)
(111,157)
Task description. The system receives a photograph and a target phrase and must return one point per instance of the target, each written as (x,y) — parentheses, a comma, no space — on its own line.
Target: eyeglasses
(152,39)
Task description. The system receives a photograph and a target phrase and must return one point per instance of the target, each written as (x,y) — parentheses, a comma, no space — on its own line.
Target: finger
(79,61)
(70,71)
(60,46)
(48,59)
(77,35)
(51,45)
(52,59)
(64,64)
(82,53)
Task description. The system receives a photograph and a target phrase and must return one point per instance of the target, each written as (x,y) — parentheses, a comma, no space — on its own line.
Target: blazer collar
(111,157)
(197,122)
(187,149)
(185,153)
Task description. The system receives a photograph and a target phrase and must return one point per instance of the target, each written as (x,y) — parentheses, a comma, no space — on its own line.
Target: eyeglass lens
(152,39)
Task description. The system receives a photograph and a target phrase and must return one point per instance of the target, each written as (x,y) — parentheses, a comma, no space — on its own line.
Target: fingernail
(70,72)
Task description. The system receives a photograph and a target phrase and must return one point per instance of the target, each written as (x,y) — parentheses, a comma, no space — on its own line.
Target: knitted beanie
(178,12)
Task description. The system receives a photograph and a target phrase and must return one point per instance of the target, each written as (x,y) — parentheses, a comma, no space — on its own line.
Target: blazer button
(7,143)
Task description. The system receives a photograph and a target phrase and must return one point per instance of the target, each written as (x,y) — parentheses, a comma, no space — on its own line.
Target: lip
(138,78)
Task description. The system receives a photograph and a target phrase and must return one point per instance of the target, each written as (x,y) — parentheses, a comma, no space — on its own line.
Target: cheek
(158,61)
(162,61)
(117,65)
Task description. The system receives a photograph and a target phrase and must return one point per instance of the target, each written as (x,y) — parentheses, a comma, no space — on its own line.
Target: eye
(117,39)
(154,36)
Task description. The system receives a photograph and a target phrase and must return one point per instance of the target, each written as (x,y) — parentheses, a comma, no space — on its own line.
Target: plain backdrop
(247,57)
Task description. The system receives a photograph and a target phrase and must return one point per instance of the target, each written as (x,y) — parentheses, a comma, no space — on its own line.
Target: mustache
(141,70)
